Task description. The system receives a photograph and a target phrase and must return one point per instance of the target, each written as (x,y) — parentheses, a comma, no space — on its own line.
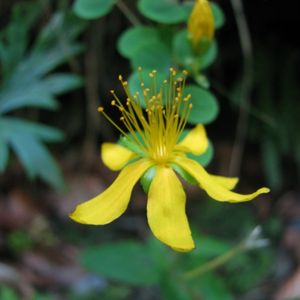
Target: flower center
(156,128)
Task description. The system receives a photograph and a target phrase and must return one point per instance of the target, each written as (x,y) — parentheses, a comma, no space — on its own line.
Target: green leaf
(135,84)
(147,178)
(135,38)
(218,14)
(61,27)
(36,160)
(183,52)
(61,83)
(34,95)
(4,153)
(43,132)
(127,262)
(185,55)
(25,139)
(165,11)
(205,158)
(205,106)
(209,56)
(213,288)
(93,9)
(153,56)
(208,247)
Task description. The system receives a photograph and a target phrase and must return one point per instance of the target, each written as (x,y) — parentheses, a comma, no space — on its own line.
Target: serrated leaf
(36,159)
(59,83)
(165,11)
(93,9)
(4,153)
(126,262)
(135,38)
(61,27)
(31,96)
(8,125)
(205,106)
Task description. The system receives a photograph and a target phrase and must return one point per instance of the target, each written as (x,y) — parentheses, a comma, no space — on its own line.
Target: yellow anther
(100,109)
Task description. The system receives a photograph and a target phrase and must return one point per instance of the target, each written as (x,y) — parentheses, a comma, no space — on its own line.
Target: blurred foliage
(276,125)
(27,82)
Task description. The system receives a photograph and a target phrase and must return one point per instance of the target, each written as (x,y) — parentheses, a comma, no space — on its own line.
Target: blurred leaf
(128,261)
(272,164)
(209,247)
(26,138)
(62,28)
(165,11)
(61,83)
(4,153)
(93,9)
(212,287)
(184,54)
(205,106)
(135,38)
(218,14)
(205,158)
(173,289)
(153,56)
(135,84)
(246,270)
(7,293)
(42,132)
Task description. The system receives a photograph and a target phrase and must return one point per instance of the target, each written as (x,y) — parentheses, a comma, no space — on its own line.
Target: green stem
(128,13)
(215,263)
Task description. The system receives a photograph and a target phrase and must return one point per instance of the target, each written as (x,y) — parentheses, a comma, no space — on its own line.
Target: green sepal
(126,142)
(185,175)
(147,178)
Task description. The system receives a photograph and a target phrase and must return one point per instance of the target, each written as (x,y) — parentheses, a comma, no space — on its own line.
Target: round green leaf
(218,14)
(209,56)
(205,158)
(185,56)
(165,11)
(135,38)
(127,262)
(183,52)
(153,56)
(135,84)
(205,106)
(93,9)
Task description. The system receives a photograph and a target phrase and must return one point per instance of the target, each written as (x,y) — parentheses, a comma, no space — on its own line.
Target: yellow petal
(201,22)
(166,210)
(227,182)
(195,141)
(110,204)
(214,188)
(115,156)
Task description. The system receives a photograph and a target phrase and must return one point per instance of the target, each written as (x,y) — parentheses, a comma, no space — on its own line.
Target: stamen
(157,130)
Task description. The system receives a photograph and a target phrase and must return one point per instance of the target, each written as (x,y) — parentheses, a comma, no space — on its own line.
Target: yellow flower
(155,133)
(201,23)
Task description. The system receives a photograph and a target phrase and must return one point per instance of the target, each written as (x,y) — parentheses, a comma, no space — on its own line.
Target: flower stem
(216,262)
(128,13)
